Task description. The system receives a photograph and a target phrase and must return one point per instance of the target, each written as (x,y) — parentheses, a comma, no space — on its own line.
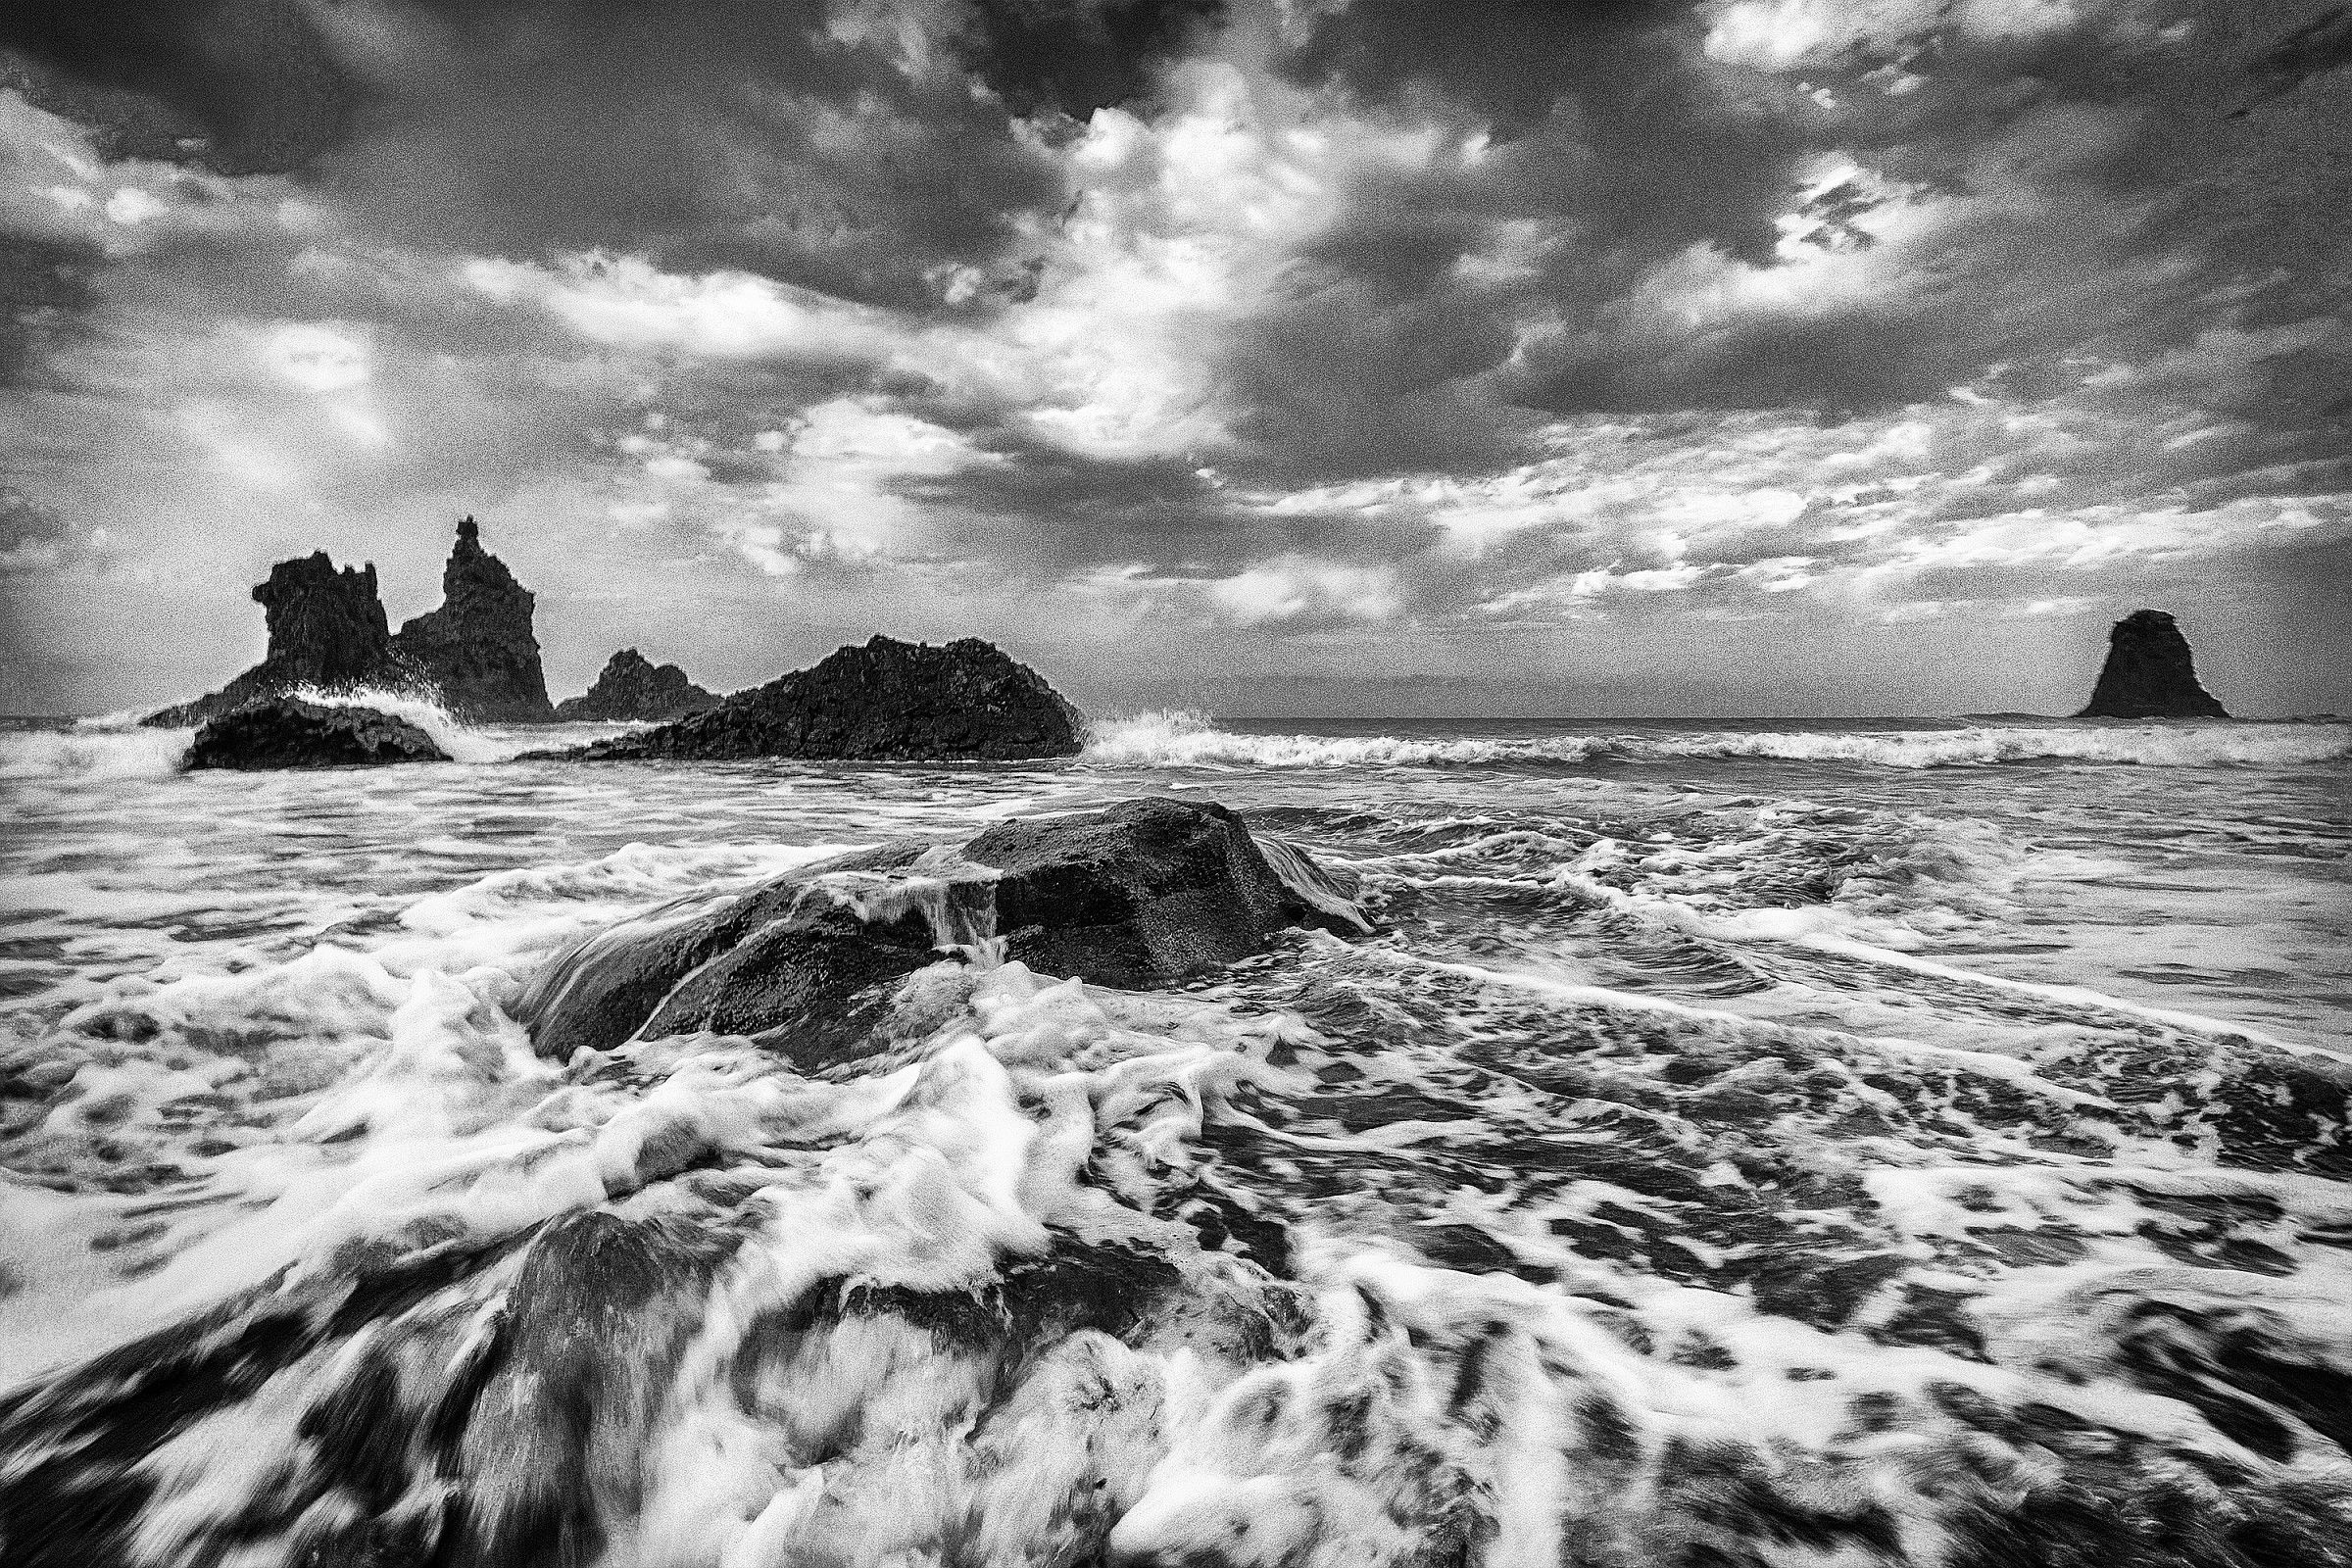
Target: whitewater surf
(1829,1143)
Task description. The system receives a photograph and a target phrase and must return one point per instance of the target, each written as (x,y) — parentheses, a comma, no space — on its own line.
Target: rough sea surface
(1803,1143)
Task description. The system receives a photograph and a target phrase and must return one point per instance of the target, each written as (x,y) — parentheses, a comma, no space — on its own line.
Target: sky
(1268,357)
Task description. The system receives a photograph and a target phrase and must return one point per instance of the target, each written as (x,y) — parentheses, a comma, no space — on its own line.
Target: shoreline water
(1762,1105)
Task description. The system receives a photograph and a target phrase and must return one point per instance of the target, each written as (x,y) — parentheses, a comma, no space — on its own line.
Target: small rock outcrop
(276,732)
(886,701)
(479,649)
(326,630)
(2149,673)
(811,963)
(632,687)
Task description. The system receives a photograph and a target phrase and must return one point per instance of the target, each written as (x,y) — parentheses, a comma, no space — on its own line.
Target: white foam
(461,741)
(1177,739)
(91,754)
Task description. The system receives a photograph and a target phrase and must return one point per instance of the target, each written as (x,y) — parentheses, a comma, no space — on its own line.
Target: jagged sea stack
(326,629)
(633,687)
(887,701)
(478,648)
(2149,673)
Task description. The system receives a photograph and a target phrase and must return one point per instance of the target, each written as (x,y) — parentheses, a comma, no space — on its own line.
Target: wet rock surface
(2149,673)
(885,701)
(633,687)
(1146,892)
(280,732)
(1149,891)
(478,650)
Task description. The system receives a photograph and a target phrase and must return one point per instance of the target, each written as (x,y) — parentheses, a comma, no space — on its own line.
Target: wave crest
(1185,739)
(112,747)
(462,743)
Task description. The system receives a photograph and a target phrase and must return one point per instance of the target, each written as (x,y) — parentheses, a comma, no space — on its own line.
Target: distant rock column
(478,648)
(2149,673)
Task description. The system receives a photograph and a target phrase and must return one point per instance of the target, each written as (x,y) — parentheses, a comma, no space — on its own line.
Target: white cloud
(321,357)
(629,303)
(1295,588)
(1783,35)
(131,206)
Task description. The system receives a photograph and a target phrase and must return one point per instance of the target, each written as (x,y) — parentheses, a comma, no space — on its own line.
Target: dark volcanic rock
(479,649)
(2149,673)
(1149,891)
(887,701)
(287,732)
(1146,892)
(326,629)
(630,687)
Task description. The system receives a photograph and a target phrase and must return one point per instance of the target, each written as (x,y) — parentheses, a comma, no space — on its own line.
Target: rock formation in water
(2149,673)
(275,732)
(326,629)
(632,687)
(479,649)
(813,962)
(887,701)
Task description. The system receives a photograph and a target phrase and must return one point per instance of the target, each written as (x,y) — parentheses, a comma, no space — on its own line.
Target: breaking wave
(460,740)
(93,750)
(117,746)
(1193,739)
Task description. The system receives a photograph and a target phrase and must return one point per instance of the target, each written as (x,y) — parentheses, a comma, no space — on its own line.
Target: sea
(1765,1143)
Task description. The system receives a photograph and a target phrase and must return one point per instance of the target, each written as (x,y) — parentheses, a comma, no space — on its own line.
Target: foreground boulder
(631,687)
(2149,673)
(326,630)
(273,732)
(1144,892)
(478,650)
(888,701)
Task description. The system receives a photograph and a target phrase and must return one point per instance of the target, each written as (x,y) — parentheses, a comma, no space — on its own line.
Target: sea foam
(1178,739)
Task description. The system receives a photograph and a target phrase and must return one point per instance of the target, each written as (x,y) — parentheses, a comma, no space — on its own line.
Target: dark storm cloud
(1352,371)
(1046,511)
(713,133)
(242,86)
(2320,45)
(706,133)
(1509,59)
(1078,56)
(1602,125)
(1629,144)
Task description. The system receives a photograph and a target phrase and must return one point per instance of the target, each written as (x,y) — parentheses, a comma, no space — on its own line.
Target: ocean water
(1774,1143)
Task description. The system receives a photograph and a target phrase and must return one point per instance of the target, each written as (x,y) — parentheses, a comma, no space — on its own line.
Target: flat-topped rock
(1141,894)
(283,732)
(886,701)
(631,687)
(2149,673)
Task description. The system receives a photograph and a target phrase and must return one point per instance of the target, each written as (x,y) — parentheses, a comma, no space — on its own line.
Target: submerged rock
(632,687)
(2149,673)
(273,732)
(1146,892)
(887,701)
(479,649)
(326,630)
